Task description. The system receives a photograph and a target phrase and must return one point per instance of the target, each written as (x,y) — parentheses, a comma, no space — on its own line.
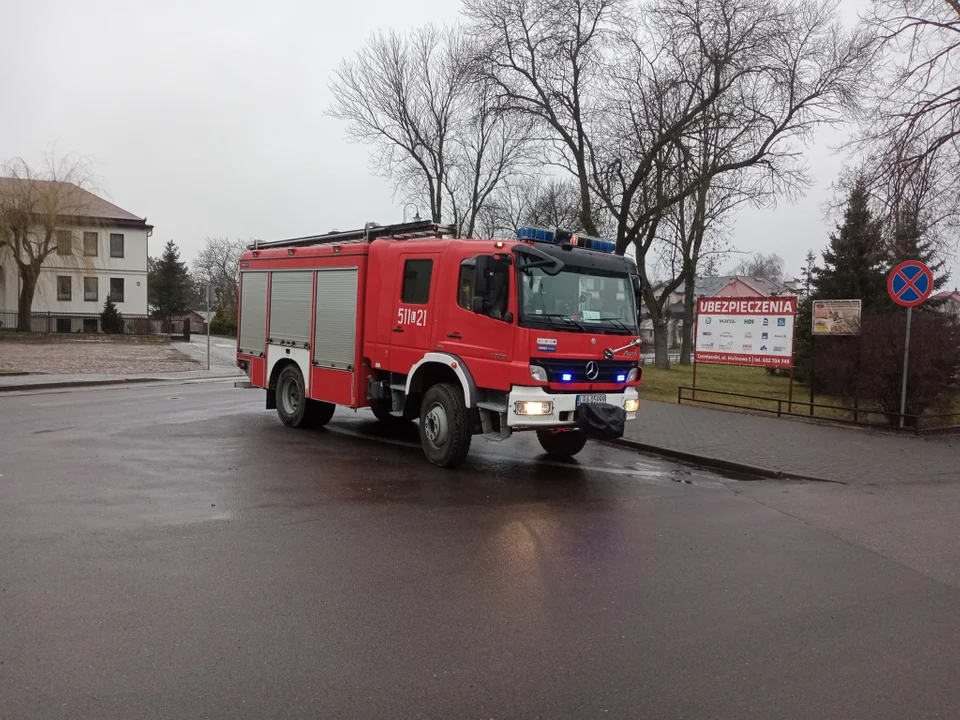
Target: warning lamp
(560,236)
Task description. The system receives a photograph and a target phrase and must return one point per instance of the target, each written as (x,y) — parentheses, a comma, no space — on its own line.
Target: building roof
(948,295)
(80,203)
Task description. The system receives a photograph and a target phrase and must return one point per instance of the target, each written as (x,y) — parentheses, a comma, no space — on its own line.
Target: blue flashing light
(538,234)
(566,377)
(622,377)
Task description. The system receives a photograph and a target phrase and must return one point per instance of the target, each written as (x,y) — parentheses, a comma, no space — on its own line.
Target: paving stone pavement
(850,455)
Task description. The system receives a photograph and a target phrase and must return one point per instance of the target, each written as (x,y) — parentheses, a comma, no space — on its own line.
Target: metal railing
(859,416)
(73,323)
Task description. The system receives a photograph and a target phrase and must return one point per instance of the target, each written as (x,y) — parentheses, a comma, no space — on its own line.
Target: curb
(101,383)
(706,461)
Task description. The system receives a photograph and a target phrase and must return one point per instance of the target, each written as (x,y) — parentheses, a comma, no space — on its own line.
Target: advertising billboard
(836,317)
(746,331)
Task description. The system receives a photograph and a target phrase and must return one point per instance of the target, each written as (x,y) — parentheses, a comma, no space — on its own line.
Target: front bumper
(564,407)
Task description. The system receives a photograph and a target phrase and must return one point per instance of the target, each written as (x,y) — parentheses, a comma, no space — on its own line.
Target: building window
(64,288)
(90,325)
(416,282)
(116,245)
(91,289)
(468,274)
(64,242)
(116,289)
(90,244)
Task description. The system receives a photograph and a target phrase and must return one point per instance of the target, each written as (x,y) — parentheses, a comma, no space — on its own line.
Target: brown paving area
(100,355)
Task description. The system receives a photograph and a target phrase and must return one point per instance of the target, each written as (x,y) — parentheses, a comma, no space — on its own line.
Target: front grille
(577,369)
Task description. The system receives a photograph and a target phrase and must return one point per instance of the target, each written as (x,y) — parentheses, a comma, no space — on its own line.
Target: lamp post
(416,216)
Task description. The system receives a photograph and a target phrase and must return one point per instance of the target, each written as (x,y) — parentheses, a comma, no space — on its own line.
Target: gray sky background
(207,117)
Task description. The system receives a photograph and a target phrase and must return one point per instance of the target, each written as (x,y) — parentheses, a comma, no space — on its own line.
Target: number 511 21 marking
(408,316)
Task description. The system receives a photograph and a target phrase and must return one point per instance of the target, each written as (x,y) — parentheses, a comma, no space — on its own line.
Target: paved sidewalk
(850,455)
(38,381)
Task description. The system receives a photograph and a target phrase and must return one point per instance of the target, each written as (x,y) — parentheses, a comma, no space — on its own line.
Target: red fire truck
(468,336)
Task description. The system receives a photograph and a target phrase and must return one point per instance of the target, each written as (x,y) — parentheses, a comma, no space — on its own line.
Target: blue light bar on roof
(537,234)
(554,236)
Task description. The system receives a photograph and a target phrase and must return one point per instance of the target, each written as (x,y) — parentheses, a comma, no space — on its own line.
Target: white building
(101,251)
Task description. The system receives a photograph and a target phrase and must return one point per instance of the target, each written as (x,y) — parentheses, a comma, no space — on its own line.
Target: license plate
(591,399)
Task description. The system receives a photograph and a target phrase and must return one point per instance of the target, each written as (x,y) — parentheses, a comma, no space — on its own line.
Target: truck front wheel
(563,444)
(444,426)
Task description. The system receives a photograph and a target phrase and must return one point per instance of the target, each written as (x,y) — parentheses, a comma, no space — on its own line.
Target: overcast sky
(207,117)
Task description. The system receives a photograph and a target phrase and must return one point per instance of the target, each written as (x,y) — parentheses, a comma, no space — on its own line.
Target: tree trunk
(660,343)
(29,275)
(660,340)
(689,303)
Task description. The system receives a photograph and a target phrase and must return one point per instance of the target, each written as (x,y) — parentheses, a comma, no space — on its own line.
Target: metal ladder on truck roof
(369,233)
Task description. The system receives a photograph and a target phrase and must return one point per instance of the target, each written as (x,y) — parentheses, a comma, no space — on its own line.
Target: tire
(293,406)
(319,413)
(444,426)
(563,444)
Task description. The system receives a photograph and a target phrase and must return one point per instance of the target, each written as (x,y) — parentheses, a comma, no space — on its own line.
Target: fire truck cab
(468,337)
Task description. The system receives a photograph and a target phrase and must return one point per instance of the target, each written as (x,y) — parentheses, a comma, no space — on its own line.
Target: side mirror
(508,317)
(479,304)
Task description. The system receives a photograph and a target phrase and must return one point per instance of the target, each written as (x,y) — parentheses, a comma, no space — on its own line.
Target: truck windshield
(578,300)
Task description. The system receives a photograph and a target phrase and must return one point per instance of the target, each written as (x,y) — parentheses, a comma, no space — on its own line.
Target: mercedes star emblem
(593,370)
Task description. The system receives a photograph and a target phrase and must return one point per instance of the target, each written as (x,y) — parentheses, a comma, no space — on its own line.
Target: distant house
(950,302)
(102,251)
(719,286)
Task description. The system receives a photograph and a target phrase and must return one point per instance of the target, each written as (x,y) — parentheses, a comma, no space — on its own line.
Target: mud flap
(601,420)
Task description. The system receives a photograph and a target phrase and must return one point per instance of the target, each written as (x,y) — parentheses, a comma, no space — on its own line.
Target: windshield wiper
(569,319)
(618,321)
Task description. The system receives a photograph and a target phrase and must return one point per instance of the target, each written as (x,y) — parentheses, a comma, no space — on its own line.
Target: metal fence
(72,323)
(847,415)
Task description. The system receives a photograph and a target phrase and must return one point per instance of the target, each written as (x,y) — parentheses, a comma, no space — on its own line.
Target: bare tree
(621,87)
(40,210)
(435,129)
(533,199)
(912,122)
(218,263)
(765,267)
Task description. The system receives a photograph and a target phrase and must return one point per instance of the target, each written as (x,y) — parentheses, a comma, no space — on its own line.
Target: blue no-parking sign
(910,283)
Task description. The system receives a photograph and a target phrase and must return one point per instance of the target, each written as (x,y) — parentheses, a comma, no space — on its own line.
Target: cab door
(414,308)
(484,341)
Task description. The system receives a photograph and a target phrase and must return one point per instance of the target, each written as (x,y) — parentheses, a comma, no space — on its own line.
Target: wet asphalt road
(174,552)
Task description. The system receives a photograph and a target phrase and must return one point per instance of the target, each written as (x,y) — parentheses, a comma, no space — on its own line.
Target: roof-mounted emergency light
(560,236)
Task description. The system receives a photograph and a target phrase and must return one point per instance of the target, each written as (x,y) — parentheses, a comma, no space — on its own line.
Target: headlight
(538,373)
(533,407)
(631,405)
(632,375)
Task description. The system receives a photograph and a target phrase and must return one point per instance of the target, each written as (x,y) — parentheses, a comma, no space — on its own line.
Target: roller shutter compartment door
(291,294)
(335,336)
(253,313)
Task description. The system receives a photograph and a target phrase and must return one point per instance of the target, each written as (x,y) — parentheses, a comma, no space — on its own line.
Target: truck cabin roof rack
(372,231)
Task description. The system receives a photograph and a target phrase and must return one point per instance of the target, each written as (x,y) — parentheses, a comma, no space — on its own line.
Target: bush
(221,324)
(111,321)
(871,367)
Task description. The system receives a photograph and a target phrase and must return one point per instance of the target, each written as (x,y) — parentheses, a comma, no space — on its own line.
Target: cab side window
(500,290)
(465,284)
(416,282)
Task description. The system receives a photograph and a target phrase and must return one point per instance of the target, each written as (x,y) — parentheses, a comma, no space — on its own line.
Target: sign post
(909,284)
(209,292)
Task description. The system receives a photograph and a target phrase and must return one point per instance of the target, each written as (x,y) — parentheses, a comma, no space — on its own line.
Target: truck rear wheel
(564,444)
(444,426)
(295,409)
